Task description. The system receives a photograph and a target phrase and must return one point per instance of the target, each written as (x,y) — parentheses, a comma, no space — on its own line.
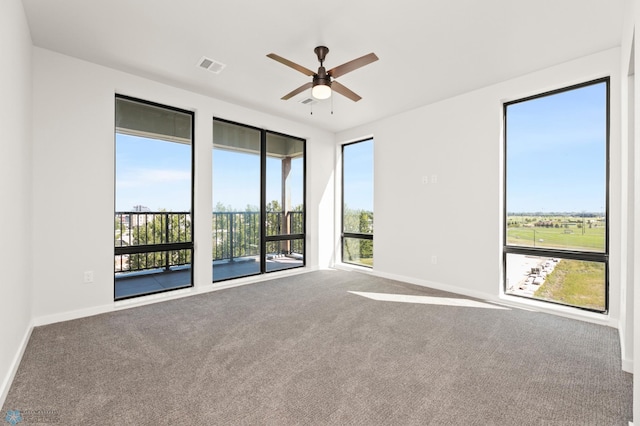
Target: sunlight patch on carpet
(427,300)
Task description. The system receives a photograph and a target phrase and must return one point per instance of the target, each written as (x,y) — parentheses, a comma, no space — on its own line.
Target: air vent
(211,65)
(308,101)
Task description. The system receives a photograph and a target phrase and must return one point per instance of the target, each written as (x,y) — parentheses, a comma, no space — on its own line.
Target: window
(236,229)
(556,196)
(357,203)
(153,194)
(258,221)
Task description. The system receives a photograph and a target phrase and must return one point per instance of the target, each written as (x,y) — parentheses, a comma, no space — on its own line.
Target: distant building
(140,219)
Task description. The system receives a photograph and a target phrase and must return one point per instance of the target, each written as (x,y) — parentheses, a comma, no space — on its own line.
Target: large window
(258,221)
(357,203)
(153,194)
(236,229)
(284,196)
(556,196)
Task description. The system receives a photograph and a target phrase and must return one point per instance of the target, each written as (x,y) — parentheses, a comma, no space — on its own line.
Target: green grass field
(572,282)
(565,232)
(367,261)
(358,251)
(576,283)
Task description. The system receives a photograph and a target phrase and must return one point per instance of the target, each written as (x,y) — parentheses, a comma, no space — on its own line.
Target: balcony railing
(237,234)
(162,240)
(152,240)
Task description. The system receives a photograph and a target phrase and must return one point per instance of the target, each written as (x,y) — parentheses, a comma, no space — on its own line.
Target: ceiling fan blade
(293,65)
(298,90)
(352,65)
(344,91)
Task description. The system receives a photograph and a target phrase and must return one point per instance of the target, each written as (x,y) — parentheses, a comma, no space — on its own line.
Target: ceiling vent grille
(211,65)
(308,101)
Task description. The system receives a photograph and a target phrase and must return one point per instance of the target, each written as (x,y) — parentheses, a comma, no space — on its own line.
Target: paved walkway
(521,281)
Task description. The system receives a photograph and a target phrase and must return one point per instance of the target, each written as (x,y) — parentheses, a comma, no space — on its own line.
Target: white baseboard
(71,315)
(162,297)
(15,363)
(504,300)
(436,286)
(627,363)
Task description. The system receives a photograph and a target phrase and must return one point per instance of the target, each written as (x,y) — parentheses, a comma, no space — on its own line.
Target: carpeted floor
(303,350)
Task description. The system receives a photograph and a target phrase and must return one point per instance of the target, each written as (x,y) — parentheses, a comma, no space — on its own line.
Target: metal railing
(237,234)
(152,240)
(162,240)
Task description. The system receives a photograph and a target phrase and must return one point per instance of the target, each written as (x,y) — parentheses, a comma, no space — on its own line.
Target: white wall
(15,186)
(458,219)
(73,180)
(630,325)
(630,200)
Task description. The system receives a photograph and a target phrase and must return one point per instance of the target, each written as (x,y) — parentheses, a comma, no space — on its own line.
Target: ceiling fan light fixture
(322,82)
(321,91)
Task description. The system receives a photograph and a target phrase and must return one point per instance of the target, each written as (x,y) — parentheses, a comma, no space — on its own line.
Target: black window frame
(264,239)
(343,234)
(167,247)
(589,256)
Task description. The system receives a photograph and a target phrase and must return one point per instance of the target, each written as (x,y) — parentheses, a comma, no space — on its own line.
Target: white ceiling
(429,49)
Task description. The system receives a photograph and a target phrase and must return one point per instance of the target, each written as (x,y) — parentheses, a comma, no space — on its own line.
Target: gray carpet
(302,350)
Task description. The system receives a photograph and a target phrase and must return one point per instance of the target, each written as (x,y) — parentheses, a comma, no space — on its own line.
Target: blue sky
(555,163)
(236,179)
(152,173)
(358,175)
(157,174)
(556,152)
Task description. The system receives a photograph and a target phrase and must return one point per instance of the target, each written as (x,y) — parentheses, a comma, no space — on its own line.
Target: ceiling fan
(323,83)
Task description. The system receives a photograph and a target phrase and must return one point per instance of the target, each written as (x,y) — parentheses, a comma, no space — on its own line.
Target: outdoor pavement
(519,274)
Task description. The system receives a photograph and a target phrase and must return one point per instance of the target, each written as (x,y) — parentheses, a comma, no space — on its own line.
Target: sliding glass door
(284,183)
(258,222)
(236,230)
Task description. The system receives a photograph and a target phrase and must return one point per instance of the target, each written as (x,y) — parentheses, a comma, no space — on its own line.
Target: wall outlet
(88,277)
(434,259)
(425,180)
(434,178)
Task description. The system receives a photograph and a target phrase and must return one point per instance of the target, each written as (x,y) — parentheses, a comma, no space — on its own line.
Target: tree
(274,218)
(222,208)
(358,221)
(117,226)
(160,228)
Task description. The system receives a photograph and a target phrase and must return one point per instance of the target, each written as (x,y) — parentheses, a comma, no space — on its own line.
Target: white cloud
(149,177)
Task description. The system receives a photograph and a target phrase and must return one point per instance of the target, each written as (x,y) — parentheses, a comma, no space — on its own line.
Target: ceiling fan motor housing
(322,78)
